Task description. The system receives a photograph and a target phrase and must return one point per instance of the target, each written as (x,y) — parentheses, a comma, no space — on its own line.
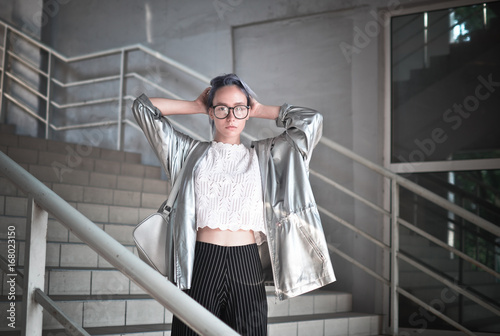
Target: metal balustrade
(158,287)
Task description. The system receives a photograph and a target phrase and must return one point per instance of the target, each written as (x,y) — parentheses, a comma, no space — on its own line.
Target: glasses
(239,111)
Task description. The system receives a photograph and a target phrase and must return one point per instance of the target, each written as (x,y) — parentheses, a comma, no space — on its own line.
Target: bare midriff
(225,237)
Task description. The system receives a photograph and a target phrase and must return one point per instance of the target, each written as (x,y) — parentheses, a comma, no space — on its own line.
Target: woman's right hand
(202,99)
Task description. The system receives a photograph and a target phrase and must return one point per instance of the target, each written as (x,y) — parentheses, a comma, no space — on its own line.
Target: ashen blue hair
(227,80)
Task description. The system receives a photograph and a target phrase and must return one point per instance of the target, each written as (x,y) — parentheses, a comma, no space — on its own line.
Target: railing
(392,248)
(12,34)
(397,182)
(43,200)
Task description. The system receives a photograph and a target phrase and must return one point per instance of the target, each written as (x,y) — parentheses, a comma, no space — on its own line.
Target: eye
(222,109)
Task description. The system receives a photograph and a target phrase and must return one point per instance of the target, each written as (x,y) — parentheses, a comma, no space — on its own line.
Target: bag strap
(167,205)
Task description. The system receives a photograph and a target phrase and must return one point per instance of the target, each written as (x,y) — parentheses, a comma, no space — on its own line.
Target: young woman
(240,208)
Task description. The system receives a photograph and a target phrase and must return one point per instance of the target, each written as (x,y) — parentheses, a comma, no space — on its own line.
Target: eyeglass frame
(229,111)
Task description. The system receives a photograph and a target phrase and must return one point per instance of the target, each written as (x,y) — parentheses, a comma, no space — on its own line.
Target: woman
(240,208)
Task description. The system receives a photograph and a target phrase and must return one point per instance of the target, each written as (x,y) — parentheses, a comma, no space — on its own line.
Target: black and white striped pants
(228,281)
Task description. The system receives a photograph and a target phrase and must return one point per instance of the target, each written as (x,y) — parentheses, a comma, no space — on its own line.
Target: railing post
(3,111)
(49,97)
(394,257)
(34,267)
(120,125)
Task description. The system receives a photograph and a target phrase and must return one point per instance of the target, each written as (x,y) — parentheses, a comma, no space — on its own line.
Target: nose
(230,115)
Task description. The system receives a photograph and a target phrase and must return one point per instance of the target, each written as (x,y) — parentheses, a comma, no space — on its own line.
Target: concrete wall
(326,54)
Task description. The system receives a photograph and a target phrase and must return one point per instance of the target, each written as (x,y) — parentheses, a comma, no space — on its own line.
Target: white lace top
(228,189)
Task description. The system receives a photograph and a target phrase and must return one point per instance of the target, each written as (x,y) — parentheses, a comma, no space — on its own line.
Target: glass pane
(446,84)
(478,192)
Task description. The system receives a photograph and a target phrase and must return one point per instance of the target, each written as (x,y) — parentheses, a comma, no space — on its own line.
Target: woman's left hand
(255,108)
(258,110)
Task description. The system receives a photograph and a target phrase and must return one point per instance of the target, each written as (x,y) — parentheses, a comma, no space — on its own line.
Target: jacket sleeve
(304,126)
(170,146)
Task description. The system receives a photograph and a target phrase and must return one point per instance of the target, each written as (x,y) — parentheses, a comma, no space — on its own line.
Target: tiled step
(58,234)
(80,177)
(118,222)
(68,256)
(112,308)
(7,129)
(63,157)
(14,206)
(115,309)
(66,148)
(326,324)
(89,282)
(306,325)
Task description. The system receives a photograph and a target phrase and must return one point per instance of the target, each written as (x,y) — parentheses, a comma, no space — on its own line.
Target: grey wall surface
(325,54)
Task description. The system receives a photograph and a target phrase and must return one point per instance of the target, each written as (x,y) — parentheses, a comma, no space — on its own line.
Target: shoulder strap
(167,205)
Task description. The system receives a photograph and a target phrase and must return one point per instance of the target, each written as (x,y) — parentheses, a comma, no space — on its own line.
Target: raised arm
(174,106)
(303,125)
(258,110)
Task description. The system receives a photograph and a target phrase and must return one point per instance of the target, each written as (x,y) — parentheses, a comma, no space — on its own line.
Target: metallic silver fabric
(296,249)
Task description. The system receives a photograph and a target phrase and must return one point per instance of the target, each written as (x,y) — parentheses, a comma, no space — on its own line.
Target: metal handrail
(166,293)
(415,188)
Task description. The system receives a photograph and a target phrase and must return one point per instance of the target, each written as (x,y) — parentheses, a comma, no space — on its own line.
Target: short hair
(228,80)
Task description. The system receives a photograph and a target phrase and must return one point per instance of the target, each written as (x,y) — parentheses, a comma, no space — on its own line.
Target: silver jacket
(295,251)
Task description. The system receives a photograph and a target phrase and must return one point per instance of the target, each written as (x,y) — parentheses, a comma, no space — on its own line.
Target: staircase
(114,190)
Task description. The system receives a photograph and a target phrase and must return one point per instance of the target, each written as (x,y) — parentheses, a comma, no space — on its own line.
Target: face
(228,130)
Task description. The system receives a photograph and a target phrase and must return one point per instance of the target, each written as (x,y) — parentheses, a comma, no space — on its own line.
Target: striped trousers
(228,281)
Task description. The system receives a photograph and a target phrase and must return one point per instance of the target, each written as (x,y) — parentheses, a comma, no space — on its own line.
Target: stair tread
(140,328)
(56,146)
(107,297)
(312,317)
(29,150)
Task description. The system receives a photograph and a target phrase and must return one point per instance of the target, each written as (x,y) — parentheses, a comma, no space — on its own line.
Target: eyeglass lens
(239,111)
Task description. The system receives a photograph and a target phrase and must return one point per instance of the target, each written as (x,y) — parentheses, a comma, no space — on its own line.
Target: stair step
(58,234)
(306,325)
(7,129)
(118,310)
(113,304)
(326,324)
(71,150)
(80,177)
(62,158)
(145,329)
(16,207)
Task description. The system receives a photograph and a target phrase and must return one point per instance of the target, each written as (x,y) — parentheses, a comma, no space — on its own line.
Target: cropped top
(228,190)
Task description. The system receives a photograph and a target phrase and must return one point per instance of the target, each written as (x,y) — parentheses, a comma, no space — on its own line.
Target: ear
(211,113)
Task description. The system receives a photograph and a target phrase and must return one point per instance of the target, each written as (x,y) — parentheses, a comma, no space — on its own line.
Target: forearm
(173,106)
(267,112)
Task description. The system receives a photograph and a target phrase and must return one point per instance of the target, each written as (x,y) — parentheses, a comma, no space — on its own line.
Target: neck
(231,141)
